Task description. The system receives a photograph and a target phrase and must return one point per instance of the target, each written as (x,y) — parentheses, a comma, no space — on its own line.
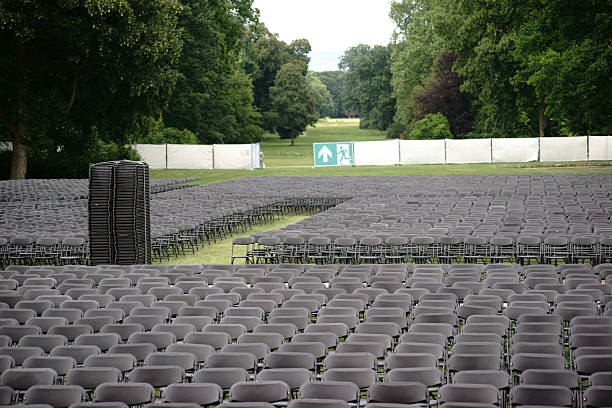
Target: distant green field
(279,152)
(282,159)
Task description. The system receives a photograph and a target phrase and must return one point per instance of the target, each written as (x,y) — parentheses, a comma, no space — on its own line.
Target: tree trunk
(544,121)
(19,162)
(292,140)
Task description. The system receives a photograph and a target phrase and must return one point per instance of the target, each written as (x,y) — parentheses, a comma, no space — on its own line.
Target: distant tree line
(80,80)
(486,69)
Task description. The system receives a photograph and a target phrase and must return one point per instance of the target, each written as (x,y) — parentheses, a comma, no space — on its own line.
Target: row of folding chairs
(419,249)
(25,250)
(411,323)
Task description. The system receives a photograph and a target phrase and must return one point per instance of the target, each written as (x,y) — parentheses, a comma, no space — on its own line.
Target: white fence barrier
(461,151)
(422,152)
(154,155)
(600,147)
(393,152)
(199,157)
(185,156)
(378,153)
(232,157)
(554,149)
(515,150)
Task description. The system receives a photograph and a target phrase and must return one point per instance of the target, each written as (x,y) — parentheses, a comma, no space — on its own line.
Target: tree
(263,56)
(213,98)
(564,53)
(415,49)
(368,85)
(483,36)
(442,94)
(324,105)
(74,73)
(432,126)
(293,104)
(334,81)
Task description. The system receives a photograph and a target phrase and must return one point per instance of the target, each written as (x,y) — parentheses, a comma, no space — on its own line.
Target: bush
(432,126)
(473,134)
(396,131)
(153,131)
(63,163)
(176,136)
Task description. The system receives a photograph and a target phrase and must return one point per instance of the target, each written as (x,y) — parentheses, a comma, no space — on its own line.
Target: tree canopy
(264,55)
(82,79)
(75,72)
(334,81)
(213,98)
(519,68)
(293,105)
(442,94)
(368,85)
(531,67)
(324,104)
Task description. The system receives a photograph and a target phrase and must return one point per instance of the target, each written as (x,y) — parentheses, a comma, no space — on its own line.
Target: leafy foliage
(292,103)
(213,98)
(324,105)
(442,94)
(156,132)
(483,37)
(334,81)
(368,85)
(432,126)
(263,56)
(75,74)
(564,53)
(397,130)
(415,49)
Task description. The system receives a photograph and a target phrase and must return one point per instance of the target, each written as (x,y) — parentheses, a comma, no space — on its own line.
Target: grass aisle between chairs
(220,252)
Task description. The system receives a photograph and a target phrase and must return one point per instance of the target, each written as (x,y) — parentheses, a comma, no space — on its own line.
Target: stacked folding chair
(119,213)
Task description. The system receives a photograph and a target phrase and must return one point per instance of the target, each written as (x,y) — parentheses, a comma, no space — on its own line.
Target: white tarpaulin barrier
(232,157)
(563,148)
(422,152)
(152,154)
(468,151)
(185,156)
(515,149)
(380,153)
(600,147)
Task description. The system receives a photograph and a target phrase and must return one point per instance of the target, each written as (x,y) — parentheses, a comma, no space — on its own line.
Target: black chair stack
(119,213)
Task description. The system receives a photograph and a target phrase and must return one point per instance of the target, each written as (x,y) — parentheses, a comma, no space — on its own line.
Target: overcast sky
(331,26)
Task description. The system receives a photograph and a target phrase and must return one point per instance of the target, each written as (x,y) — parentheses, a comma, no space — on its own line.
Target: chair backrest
(469,393)
(260,391)
(530,394)
(201,393)
(342,390)
(397,392)
(132,393)
(58,396)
